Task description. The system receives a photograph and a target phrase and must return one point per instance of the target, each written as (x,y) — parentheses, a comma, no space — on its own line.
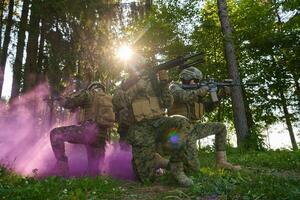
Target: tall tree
(283,60)
(240,118)
(4,52)
(148,4)
(17,68)
(1,19)
(288,121)
(31,71)
(40,62)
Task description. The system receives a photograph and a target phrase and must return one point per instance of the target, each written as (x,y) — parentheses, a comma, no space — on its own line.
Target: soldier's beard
(25,143)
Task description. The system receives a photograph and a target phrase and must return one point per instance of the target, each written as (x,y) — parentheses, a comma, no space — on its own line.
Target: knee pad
(53,134)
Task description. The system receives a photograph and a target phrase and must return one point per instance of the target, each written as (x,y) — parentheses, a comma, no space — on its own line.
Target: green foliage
(267,50)
(279,160)
(17,187)
(265,175)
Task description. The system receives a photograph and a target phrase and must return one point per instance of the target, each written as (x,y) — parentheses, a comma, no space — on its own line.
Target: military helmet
(191,73)
(95,85)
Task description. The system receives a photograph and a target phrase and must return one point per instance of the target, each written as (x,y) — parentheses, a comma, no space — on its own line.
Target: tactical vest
(146,105)
(146,108)
(99,109)
(193,111)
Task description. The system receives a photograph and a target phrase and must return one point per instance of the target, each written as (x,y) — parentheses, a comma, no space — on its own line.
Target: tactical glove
(226,91)
(202,91)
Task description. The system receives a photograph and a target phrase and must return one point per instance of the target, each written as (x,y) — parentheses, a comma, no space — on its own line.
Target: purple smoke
(25,145)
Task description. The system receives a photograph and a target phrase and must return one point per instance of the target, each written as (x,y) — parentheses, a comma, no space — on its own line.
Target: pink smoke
(25,144)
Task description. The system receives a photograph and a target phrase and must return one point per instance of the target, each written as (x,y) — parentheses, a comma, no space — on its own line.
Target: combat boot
(160,162)
(222,163)
(179,175)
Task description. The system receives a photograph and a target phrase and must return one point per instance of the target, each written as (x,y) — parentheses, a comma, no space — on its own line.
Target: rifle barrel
(178,61)
(193,63)
(168,64)
(193,55)
(217,84)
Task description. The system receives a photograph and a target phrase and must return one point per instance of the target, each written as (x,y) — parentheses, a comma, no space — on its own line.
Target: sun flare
(125,52)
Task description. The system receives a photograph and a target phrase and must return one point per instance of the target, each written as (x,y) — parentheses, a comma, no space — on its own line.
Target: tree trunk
(51,114)
(148,5)
(41,56)
(31,71)
(240,119)
(1,19)
(297,88)
(255,139)
(294,75)
(288,121)
(6,42)
(17,75)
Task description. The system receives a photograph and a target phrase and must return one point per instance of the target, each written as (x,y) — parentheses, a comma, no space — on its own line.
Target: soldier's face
(192,82)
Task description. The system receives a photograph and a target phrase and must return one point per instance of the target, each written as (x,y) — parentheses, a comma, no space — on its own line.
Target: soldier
(141,103)
(193,104)
(96,118)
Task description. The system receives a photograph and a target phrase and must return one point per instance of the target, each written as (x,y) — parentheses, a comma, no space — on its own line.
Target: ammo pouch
(198,110)
(106,116)
(100,110)
(192,111)
(146,108)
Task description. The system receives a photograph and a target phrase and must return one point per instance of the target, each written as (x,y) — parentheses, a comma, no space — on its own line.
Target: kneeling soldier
(96,118)
(192,104)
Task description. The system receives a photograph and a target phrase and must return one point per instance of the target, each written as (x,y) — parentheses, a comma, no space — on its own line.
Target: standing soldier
(192,104)
(141,102)
(96,118)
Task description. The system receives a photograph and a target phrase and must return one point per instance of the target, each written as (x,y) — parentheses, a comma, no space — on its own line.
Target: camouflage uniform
(193,104)
(92,130)
(142,110)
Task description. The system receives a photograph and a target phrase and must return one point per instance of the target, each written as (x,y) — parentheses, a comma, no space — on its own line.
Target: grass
(265,175)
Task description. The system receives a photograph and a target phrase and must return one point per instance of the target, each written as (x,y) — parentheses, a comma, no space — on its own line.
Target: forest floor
(265,175)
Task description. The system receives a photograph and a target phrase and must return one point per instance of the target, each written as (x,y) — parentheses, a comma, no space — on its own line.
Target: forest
(55,47)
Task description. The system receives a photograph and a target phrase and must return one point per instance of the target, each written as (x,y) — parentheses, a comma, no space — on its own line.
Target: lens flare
(172,136)
(125,52)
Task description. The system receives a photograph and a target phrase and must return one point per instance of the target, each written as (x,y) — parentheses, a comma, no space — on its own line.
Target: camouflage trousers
(88,133)
(122,131)
(202,130)
(168,132)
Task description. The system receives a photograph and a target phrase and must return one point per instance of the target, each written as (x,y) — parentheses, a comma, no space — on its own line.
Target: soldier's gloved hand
(226,91)
(160,172)
(202,91)
(163,76)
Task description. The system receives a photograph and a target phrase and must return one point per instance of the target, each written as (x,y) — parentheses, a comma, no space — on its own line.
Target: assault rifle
(58,97)
(181,61)
(50,99)
(213,86)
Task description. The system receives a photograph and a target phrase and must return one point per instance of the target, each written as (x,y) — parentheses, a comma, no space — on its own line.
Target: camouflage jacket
(95,105)
(190,103)
(77,99)
(138,102)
